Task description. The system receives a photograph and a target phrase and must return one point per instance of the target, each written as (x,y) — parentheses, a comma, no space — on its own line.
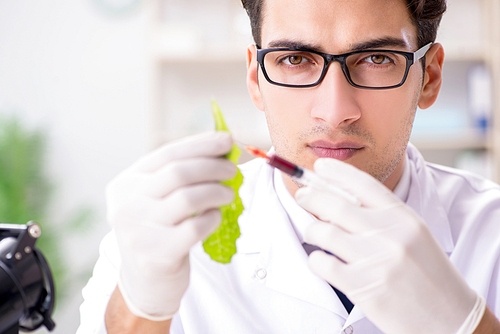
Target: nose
(335,102)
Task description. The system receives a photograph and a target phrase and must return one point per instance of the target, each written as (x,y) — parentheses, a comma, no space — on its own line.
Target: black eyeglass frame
(411,58)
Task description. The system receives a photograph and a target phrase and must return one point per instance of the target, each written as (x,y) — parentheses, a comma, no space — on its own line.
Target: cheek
(389,112)
(285,108)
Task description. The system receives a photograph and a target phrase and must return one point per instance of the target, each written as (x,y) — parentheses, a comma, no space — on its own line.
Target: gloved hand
(159,208)
(392,267)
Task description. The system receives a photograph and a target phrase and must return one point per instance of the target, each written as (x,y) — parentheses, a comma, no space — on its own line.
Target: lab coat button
(349,330)
(261,273)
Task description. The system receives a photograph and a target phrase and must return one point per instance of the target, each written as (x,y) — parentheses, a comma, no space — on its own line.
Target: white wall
(79,73)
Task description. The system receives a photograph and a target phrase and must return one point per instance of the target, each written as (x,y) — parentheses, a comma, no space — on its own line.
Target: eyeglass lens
(369,69)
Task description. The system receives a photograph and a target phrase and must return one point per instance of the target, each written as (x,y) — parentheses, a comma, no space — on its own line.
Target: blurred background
(88,86)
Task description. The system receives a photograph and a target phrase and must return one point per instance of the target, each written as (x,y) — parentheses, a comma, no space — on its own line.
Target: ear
(433,76)
(252,77)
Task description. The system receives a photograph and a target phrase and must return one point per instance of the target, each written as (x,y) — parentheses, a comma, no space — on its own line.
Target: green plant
(25,193)
(221,245)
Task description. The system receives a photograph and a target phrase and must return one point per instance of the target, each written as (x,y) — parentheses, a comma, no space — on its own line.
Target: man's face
(366,128)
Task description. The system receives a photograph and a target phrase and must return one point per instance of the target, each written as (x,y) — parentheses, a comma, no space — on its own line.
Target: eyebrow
(291,44)
(384,42)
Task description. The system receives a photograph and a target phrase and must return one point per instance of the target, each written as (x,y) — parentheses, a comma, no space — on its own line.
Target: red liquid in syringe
(275,161)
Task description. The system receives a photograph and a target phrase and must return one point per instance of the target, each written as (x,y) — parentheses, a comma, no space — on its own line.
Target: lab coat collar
(424,199)
(300,219)
(270,238)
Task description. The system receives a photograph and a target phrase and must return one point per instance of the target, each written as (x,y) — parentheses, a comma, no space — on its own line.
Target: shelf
(200,58)
(460,141)
(460,52)
(183,43)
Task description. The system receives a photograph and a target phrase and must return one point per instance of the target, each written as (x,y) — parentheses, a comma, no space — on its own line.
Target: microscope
(26,284)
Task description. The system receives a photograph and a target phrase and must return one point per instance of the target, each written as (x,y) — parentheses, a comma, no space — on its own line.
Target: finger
(370,191)
(328,267)
(177,239)
(337,241)
(213,144)
(189,201)
(322,203)
(354,280)
(188,172)
(195,229)
(330,207)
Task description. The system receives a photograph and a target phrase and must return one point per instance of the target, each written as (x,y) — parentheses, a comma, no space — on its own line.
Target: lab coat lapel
(268,231)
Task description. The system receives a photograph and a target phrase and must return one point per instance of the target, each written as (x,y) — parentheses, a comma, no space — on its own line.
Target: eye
(294,60)
(378,59)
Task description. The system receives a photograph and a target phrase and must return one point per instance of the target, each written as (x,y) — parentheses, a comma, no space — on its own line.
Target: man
(427,266)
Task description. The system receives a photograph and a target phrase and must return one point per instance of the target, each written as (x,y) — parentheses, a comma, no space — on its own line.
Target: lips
(340,150)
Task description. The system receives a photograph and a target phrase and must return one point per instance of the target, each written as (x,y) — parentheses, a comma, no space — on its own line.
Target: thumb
(370,191)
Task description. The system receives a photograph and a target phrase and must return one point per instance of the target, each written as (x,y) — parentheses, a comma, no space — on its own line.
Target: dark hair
(425,14)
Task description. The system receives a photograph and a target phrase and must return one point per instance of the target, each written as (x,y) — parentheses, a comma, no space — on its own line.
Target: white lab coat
(268,287)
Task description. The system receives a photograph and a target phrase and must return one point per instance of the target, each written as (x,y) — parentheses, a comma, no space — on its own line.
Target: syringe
(302,175)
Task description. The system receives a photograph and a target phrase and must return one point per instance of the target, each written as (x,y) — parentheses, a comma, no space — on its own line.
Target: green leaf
(221,245)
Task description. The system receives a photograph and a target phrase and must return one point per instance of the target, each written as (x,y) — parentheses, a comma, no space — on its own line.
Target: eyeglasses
(368,69)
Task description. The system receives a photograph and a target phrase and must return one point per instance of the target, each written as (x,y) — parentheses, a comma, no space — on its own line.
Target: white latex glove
(159,208)
(394,269)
